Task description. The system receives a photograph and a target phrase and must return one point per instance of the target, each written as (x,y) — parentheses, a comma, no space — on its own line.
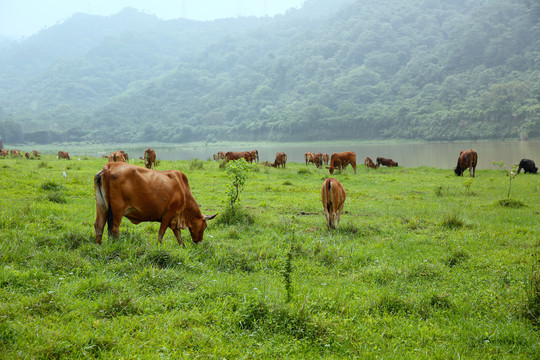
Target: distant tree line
(430,69)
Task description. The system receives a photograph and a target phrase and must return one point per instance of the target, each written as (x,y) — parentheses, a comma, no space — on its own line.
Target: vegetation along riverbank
(424,264)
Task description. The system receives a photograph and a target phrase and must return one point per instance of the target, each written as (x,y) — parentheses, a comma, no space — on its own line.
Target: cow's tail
(330,203)
(102,185)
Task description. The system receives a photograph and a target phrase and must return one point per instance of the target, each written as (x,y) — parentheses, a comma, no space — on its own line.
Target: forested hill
(367,69)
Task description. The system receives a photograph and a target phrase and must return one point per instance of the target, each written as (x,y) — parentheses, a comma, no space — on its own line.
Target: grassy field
(424,265)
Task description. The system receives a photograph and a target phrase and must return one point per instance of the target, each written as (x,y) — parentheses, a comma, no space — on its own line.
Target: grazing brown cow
(386,162)
(15,153)
(333,197)
(35,153)
(341,160)
(63,155)
(27,155)
(149,158)
(369,163)
(467,159)
(215,157)
(312,158)
(254,155)
(281,159)
(235,155)
(4,152)
(140,194)
(326,159)
(117,156)
(221,155)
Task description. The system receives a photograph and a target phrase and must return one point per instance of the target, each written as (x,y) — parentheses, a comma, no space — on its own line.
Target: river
(441,155)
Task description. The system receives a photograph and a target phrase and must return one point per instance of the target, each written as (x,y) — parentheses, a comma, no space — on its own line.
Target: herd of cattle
(142,194)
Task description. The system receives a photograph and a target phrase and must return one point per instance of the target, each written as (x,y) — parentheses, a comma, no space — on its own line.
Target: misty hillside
(410,69)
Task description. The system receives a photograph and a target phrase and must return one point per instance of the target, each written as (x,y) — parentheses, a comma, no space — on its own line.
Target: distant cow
(63,155)
(254,155)
(141,195)
(117,156)
(35,153)
(235,155)
(281,160)
(221,155)
(326,159)
(386,162)
(149,158)
(215,157)
(341,160)
(467,159)
(333,198)
(4,152)
(528,166)
(370,164)
(15,153)
(312,158)
(27,155)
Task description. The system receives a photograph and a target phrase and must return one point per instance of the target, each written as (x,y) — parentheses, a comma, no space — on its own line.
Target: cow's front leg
(178,237)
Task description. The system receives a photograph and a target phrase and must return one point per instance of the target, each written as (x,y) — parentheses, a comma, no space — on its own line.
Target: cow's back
(333,198)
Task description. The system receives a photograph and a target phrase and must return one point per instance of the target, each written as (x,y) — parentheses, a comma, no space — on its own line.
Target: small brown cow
(333,198)
(281,160)
(15,153)
(467,159)
(326,159)
(4,152)
(63,155)
(369,163)
(141,195)
(35,153)
(117,156)
(341,160)
(386,162)
(254,155)
(235,155)
(149,158)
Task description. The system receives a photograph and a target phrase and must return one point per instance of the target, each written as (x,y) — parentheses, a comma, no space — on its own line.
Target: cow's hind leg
(99,225)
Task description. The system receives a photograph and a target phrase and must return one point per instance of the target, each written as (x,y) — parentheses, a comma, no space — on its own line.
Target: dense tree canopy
(411,69)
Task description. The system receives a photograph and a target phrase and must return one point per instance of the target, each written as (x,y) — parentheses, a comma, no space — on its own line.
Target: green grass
(424,265)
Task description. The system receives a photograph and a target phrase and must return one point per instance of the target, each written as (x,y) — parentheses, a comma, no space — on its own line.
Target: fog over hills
(430,69)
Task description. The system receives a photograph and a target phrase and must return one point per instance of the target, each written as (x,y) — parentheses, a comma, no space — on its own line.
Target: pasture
(424,265)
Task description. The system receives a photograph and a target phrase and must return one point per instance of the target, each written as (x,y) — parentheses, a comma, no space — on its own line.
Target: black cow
(528,166)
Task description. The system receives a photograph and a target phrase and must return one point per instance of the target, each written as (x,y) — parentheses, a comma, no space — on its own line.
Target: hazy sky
(26,17)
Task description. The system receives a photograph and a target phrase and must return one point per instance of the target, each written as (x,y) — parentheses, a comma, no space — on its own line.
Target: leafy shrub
(196,164)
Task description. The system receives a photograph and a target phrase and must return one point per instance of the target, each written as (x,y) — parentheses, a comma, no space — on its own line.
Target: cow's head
(458,170)
(331,169)
(197,227)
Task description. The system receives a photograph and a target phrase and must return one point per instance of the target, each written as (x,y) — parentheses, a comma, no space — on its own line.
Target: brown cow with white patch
(386,162)
(341,160)
(149,158)
(467,159)
(140,194)
(369,163)
(63,155)
(333,198)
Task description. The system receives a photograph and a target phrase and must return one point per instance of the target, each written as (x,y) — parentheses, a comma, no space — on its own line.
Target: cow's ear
(209,217)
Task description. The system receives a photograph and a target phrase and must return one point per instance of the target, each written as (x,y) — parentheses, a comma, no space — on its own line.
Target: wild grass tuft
(457,257)
(196,164)
(452,221)
(235,216)
(511,203)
